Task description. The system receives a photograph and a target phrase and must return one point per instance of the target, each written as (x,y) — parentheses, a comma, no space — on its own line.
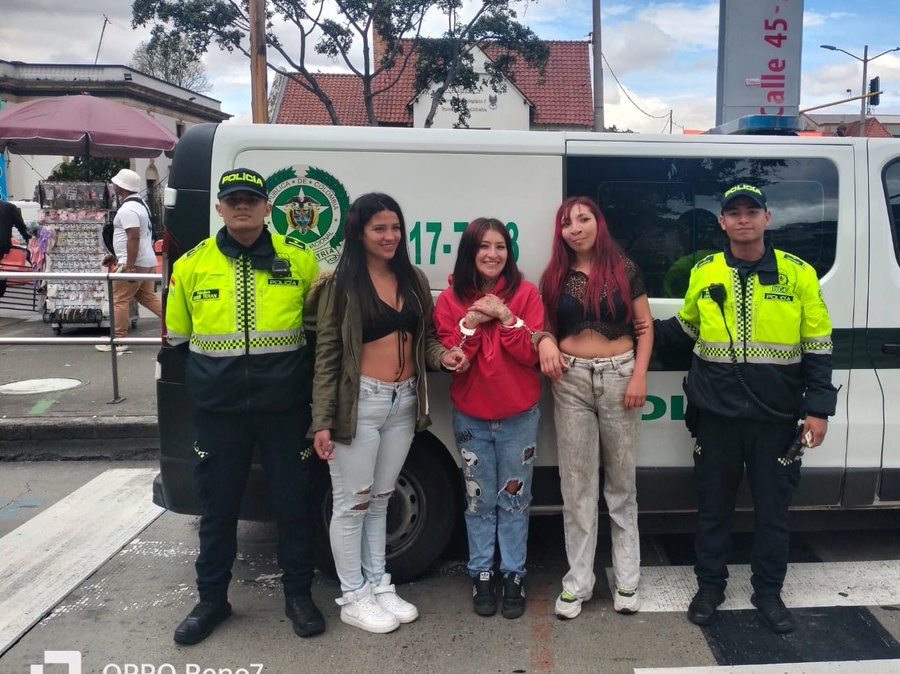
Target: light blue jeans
(594,429)
(498,458)
(363,475)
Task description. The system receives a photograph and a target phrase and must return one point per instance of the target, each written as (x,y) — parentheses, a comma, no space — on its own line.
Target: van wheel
(421,515)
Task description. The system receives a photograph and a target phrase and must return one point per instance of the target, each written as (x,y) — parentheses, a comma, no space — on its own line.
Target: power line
(625,91)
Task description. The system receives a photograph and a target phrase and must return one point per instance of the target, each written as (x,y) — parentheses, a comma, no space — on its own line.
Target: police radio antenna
(102,31)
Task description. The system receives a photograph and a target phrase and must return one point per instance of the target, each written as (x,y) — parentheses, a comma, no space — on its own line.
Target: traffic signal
(875,89)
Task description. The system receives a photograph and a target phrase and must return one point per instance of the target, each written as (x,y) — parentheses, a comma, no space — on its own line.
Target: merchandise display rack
(71,221)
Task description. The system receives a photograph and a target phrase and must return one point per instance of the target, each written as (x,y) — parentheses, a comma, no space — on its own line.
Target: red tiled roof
(874,129)
(562,97)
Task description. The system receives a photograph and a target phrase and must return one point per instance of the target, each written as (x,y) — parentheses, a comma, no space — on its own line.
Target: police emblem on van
(309,205)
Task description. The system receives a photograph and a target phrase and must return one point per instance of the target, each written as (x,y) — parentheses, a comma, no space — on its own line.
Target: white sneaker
(361,610)
(567,605)
(388,599)
(106,348)
(629,602)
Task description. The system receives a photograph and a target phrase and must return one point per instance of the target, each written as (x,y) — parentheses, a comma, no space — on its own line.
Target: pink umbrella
(82,126)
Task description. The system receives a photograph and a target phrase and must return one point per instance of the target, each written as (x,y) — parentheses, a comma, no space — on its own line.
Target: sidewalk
(78,422)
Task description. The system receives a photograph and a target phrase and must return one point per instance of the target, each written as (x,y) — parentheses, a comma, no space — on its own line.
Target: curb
(78,438)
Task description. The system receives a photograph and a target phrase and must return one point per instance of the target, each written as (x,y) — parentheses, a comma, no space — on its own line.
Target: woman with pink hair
(593,293)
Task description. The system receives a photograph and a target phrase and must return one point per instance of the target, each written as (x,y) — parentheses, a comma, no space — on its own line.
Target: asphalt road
(123,611)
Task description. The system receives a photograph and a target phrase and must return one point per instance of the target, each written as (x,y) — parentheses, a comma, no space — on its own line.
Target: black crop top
(570,315)
(390,321)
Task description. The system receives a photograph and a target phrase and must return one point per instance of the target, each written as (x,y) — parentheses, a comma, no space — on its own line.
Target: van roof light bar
(762,125)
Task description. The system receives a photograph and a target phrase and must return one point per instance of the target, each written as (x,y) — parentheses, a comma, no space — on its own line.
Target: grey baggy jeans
(593,428)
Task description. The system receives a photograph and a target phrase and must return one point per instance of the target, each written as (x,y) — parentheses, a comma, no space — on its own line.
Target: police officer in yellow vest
(761,340)
(235,302)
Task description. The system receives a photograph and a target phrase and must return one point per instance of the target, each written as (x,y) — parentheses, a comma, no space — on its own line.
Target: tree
(448,63)
(81,168)
(398,23)
(169,57)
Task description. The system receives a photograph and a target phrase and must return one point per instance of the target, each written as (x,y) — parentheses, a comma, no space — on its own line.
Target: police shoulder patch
(796,260)
(197,248)
(297,243)
(706,260)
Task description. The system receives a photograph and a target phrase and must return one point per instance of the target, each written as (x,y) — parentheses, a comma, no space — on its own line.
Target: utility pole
(258,82)
(862,91)
(599,124)
(102,31)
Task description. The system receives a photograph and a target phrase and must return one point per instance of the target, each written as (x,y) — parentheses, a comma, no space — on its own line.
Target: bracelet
(467,332)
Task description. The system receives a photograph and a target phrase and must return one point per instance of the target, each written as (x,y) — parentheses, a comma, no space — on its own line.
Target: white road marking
(848,667)
(670,588)
(51,554)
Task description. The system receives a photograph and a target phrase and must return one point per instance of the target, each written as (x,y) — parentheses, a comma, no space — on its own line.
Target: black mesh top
(572,319)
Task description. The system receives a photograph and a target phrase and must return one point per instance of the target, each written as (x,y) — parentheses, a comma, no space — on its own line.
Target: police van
(835,203)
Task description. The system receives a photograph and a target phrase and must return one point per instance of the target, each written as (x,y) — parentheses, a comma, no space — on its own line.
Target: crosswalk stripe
(808,585)
(844,667)
(51,554)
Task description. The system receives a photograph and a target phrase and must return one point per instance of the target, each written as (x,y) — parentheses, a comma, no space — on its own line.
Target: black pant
(724,447)
(224,449)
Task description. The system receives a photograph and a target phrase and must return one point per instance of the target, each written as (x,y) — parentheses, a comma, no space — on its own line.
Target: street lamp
(865,61)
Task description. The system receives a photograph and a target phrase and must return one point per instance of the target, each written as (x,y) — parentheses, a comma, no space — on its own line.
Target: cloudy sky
(664,54)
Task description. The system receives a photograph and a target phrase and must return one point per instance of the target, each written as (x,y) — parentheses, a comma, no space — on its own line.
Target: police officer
(235,302)
(761,339)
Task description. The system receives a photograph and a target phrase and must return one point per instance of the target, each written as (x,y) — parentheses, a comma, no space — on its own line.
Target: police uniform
(238,310)
(769,317)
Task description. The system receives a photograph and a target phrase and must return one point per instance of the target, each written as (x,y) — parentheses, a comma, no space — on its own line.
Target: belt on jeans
(614,361)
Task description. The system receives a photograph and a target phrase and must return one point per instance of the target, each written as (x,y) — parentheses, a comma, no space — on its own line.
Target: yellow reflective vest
(774,324)
(242,320)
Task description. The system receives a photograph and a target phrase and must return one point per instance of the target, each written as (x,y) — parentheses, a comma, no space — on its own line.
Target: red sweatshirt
(503,379)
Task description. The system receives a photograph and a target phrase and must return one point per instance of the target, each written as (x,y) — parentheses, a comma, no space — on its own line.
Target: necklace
(487,284)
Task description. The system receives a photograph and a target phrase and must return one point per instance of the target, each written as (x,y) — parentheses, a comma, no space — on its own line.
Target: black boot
(702,610)
(483,599)
(773,612)
(305,615)
(201,621)
(513,595)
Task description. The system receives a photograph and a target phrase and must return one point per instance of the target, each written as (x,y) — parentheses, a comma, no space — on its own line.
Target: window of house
(664,211)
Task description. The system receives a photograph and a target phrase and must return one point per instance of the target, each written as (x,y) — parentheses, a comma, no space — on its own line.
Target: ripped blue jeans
(497,459)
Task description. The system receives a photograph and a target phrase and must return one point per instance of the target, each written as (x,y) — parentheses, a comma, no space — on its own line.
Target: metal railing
(109,277)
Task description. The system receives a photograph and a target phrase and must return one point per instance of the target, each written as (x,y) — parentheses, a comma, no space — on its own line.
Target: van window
(892,194)
(664,210)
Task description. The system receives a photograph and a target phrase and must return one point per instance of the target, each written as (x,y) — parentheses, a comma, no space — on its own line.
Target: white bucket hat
(128,180)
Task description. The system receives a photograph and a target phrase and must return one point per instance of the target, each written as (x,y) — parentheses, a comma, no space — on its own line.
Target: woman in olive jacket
(374,340)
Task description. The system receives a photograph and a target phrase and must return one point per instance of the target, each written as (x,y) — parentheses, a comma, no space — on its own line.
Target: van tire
(421,516)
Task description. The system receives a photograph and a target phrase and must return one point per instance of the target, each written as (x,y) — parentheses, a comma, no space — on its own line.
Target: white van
(835,203)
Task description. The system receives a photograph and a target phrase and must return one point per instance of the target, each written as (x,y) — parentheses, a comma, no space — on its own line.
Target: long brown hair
(607,265)
(465,276)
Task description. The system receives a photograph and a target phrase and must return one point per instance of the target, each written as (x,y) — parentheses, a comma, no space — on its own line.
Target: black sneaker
(513,595)
(773,612)
(201,621)
(305,616)
(483,600)
(702,610)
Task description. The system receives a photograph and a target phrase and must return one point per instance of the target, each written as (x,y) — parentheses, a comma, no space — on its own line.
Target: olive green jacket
(338,351)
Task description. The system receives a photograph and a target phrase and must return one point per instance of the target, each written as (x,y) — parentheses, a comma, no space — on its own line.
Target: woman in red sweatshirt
(491,312)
